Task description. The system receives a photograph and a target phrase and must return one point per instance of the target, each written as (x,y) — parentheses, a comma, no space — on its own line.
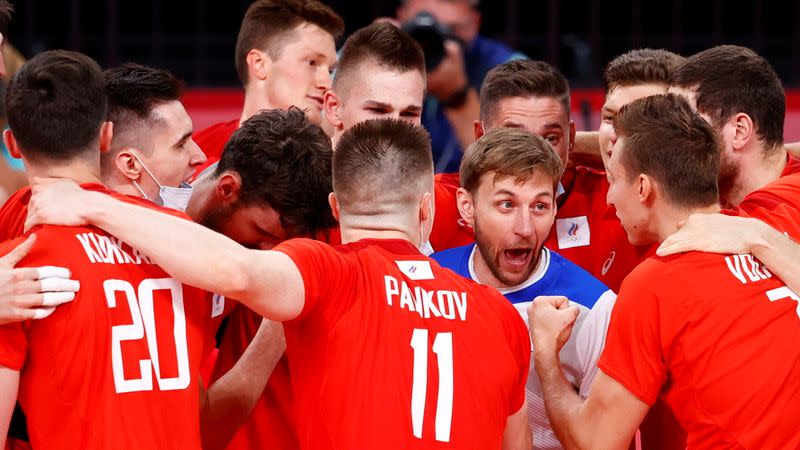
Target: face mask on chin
(176,198)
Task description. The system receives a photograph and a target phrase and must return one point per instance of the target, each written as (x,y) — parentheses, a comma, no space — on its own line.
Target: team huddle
(300,278)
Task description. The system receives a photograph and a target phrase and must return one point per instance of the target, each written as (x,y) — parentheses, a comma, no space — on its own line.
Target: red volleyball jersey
(392,351)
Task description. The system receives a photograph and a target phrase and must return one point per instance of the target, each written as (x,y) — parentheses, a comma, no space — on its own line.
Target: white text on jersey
(746,268)
(447,304)
(109,250)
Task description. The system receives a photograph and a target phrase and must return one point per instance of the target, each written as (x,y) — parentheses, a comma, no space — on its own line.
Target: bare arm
(267,282)
(230,399)
(586,151)
(719,233)
(607,419)
(517,435)
(9,383)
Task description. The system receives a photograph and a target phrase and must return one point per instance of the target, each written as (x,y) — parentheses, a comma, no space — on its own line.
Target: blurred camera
(431,36)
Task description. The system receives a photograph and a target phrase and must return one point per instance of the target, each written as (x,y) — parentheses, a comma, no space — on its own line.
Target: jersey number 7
(143,326)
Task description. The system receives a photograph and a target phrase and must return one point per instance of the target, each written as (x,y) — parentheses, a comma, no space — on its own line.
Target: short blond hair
(508,152)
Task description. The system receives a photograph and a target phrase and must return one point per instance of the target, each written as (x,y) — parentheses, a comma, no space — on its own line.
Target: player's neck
(255,99)
(78,170)
(356,228)
(756,173)
(671,217)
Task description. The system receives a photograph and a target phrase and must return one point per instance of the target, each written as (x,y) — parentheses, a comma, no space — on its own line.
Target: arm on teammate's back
(517,435)
(720,233)
(33,292)
(267,282)
(9,383)
(586,150)
(231,398)
(610,415)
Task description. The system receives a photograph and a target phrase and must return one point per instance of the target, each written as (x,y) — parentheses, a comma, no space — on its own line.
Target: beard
(492,255)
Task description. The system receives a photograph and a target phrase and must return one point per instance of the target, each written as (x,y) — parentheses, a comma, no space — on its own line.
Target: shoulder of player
(570,278)
(452,257)
(449,181)
(218,129)
(18,199)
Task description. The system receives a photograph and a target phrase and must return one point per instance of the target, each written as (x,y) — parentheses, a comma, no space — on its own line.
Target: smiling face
(546,116)
(512,219)
(301,73)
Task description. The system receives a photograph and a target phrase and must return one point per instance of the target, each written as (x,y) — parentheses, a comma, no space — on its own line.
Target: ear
(331,105)
(478,127)
(126,163)
(647,189)
(743,131)
(228,188)
(11,143)
(466,206)
(426,208)
(258,64)
(334,205)
(571,136)
(106,135)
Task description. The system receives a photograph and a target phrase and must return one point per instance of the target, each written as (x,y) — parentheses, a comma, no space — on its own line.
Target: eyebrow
(184,138)
(506,192)
(550,126)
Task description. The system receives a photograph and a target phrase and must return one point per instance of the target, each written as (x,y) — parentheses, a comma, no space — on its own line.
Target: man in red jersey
(372,309)
(285,54)
(679,324)
(114,390)
(381,73)
(740,94)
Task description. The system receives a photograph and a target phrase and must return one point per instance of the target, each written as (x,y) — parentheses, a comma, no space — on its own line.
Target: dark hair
(522,78)
(134,89)
(383,43)
(6,8)
(56,105)
(665,139)
(267,22)
(730,79)
(381,157)
(283,160)
(508,152)
(641,66)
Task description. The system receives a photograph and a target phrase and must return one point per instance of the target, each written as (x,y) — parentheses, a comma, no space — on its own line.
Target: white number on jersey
(782,293)
(143,326)
(443,347)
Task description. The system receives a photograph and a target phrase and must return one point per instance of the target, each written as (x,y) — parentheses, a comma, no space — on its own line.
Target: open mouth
(517,257)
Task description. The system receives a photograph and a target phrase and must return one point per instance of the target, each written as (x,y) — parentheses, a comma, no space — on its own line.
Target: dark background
(195,39)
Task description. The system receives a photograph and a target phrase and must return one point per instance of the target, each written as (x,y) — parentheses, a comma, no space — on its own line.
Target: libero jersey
(714,340)
(554,275)
(271,423)
(212,141)
(118,366)
(392,351)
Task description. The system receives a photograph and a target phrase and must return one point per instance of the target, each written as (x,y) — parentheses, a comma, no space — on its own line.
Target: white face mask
(169,197)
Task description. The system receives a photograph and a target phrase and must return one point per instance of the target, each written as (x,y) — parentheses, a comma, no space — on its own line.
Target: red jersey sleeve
(324,274)
(634,351)
(520,342)
(13,340)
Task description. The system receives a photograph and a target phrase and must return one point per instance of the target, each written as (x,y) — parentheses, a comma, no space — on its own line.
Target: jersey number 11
(443,347)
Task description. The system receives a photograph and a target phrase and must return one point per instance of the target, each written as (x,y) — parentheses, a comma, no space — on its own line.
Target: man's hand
(712,233)
(450,76)
(31,293)
(57,201)
(551,319)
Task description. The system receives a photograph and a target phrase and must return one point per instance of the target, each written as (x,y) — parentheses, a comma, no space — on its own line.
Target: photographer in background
(457,63)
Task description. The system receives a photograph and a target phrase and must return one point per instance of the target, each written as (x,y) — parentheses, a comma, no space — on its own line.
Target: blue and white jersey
(555,275)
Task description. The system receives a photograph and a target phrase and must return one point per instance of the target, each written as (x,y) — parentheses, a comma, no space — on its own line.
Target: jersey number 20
(143,326)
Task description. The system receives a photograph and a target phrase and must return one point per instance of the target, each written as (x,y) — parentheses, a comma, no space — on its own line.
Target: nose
(324,78)
(197,156)
(523,225)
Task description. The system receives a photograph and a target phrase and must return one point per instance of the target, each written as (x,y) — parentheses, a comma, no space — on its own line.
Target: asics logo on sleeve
(609,262)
